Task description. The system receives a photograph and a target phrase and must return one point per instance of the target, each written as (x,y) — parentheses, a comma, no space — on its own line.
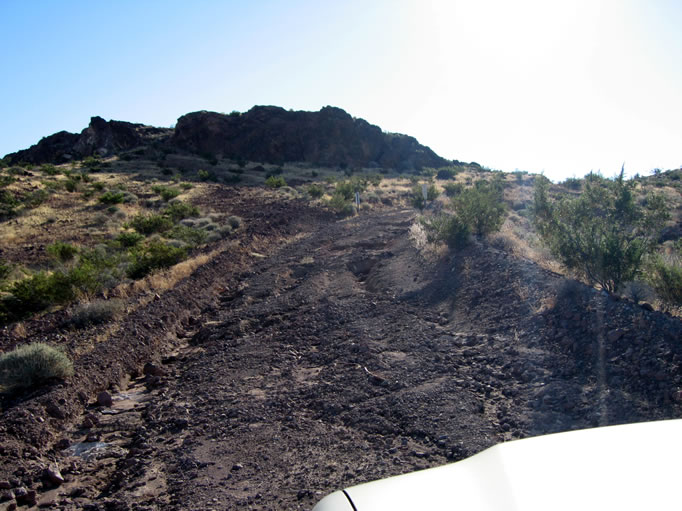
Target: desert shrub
(348,188)
(275,182)
(177,210)
(129,239)
(186,186)
(98,186)
(603,234)
(95,312)
(665,276)
(446,173)
(49,169)
(6,181)
(35,198)
(480,208)
(234,221)
(112,197)
(572,183)
(446,228)
(417,195)
(315,191)
(61,251)
(341,205)
(5,270)
(3,163)
(149,224)
(166,192)
(189,235)
(571,293)
(637,291)
(453,189)
(31,365)
(92,163)
(153,256)
(8,204)
(71,185)
(205,175)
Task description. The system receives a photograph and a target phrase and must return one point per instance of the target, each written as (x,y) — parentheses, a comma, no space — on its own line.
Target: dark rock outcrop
(101,138)
(330,137)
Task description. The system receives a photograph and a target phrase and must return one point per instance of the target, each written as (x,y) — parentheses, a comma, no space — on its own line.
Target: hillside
(294,344)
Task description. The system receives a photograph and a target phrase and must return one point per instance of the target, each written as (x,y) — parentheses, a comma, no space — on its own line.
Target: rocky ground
(332,354)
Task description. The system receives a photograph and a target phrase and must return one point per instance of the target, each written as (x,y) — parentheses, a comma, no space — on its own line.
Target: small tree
(481,208)
(602,234)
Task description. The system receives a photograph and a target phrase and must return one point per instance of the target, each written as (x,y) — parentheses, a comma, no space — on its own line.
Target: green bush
(275,182)
(49,169)
(61,251)
(178,210)
(315,191)
(129,239)
(445,173)
(480,208)
(8,204)
(190,235)
(603,234)
(666,278)
(417,195)
(348,188)
(92,163)
(153,256)
(166,192)
(341,205)
(446,228)
(205,175)
(95,312)
(35,198)
(5,270)
(31,365)
(149,224)
(112,197)
(453,189)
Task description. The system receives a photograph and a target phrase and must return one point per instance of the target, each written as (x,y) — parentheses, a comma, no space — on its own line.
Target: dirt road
(346,356)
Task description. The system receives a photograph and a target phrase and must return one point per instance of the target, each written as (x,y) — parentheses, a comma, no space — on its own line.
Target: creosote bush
(446,228)
(275,182)
(31,365)
(95,312)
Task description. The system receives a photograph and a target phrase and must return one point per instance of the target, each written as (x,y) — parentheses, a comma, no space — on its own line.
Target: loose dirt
(339,355)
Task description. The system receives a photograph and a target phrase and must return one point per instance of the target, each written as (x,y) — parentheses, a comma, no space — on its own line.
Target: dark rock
(99,138)
(55,411)
(104,399)
(4,485)
(153,370)
(25,497)
(237,466)
(330,137)
(647,306)
(6,495)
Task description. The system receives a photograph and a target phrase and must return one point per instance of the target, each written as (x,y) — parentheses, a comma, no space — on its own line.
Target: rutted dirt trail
(345,357)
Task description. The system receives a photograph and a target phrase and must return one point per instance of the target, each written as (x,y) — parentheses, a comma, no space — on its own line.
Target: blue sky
(560,87)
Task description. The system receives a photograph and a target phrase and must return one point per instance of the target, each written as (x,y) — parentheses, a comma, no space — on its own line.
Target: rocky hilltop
(330,137)
(103,138)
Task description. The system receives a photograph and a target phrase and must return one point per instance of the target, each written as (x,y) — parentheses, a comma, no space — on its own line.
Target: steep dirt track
(344,356)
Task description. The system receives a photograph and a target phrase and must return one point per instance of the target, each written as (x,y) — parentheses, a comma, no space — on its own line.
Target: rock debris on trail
(345,356)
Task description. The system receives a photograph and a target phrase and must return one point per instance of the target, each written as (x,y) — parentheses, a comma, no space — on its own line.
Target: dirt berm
(345,356)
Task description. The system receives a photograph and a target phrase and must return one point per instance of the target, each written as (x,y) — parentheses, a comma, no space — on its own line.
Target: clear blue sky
(561,87)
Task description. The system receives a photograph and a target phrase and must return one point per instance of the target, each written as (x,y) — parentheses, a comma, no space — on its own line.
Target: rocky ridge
(268,134)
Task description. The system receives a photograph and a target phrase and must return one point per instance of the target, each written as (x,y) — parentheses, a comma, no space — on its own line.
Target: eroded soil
(341,355)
